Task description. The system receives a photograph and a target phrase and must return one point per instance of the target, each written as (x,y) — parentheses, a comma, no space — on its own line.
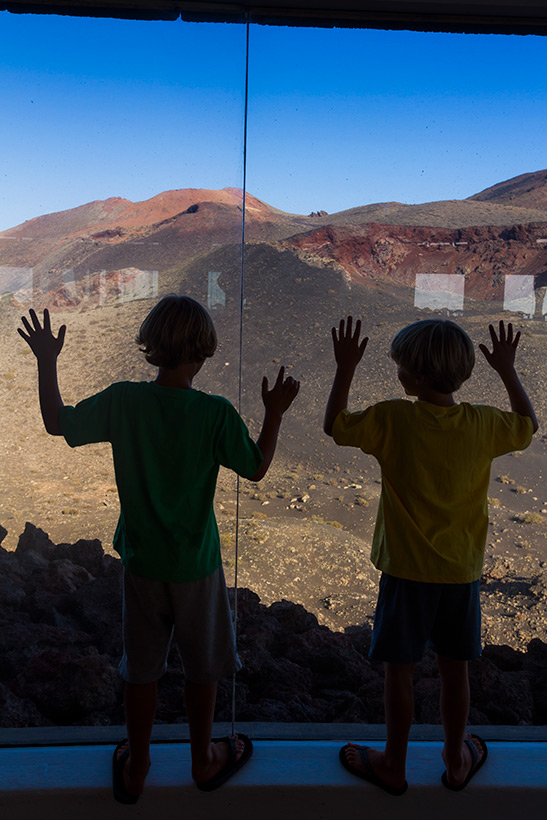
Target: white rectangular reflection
(518,295)
(133,283)
(94,288)
(125,285)
(439,291)
(216,297)
(16,282)
(67,295)
(101,286)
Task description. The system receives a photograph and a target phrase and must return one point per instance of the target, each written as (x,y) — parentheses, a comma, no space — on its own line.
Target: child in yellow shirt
(431,526)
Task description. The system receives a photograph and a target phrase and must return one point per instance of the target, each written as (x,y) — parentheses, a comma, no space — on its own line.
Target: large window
(376,169)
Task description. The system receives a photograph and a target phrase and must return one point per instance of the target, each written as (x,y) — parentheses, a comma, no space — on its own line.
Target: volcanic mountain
(106,244)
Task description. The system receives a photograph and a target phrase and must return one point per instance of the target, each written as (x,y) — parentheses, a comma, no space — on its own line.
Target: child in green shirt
(168,441)
(431,526)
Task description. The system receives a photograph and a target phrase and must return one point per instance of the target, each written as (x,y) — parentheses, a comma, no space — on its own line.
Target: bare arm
(276,402)
(46,347)
(502,360)
(348,352)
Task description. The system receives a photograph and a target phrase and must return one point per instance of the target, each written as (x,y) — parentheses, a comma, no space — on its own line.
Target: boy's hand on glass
(348,350)
(282,394)
(504,348)
(40,339)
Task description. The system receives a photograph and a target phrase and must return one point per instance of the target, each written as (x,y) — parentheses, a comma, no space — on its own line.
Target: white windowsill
(285,778)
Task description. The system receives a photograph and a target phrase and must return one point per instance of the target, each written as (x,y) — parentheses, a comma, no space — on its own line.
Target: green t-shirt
(432,517)
(167,445)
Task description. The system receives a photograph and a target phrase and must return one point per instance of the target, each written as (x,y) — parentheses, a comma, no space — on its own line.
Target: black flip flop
(369,774)
(475,763)
(232,766)
(118,786)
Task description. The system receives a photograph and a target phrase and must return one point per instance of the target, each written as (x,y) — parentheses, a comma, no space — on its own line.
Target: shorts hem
(227,672)
(380,657)
(469,656)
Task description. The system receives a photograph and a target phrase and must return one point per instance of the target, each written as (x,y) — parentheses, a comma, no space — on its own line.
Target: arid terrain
(305,530)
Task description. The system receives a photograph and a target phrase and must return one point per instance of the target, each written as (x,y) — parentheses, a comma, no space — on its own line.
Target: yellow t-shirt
(432,518)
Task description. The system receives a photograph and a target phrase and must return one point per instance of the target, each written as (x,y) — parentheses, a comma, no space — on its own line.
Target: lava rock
(61,641)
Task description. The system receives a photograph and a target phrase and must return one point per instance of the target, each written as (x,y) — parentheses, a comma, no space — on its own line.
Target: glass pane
(122,171)
(121,164)
(368,153)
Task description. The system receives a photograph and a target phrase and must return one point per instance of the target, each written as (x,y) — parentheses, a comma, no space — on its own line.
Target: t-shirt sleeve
(235,448)
(364,429)
(89,421)
(510,431)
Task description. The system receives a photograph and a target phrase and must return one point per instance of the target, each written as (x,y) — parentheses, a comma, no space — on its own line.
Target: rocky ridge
(374,253)
(105,251)
(60,640)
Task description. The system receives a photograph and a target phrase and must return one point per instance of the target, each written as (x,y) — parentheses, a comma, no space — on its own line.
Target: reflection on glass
(439,291)
(216,297)
(518,295)
(16,283)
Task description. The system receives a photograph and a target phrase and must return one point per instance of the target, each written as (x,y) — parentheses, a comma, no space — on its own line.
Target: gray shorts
(196,612)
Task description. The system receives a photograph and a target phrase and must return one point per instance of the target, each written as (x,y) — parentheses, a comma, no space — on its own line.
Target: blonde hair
(177,330)
(437,349)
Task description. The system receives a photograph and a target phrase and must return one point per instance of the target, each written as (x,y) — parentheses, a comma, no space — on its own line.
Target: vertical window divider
(240,367)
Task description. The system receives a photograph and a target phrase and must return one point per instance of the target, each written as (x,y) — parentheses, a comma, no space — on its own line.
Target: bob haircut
(437,349)
(178,330)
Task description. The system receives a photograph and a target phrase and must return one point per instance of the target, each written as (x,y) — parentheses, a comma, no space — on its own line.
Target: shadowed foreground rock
(60,641)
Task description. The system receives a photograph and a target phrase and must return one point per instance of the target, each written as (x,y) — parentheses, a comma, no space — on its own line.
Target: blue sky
(337,118)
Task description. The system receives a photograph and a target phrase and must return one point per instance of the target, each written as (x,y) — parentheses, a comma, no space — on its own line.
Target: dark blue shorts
(410,614)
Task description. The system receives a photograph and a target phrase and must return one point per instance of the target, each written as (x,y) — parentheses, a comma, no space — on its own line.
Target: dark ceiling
(494,16)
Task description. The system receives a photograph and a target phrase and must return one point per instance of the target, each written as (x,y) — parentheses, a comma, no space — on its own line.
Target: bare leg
(390,765)
(207,758)
(140,708)
(454,713)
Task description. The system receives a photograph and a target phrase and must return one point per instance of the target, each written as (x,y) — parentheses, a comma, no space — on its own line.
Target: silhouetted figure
(431,526)
(168,441)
